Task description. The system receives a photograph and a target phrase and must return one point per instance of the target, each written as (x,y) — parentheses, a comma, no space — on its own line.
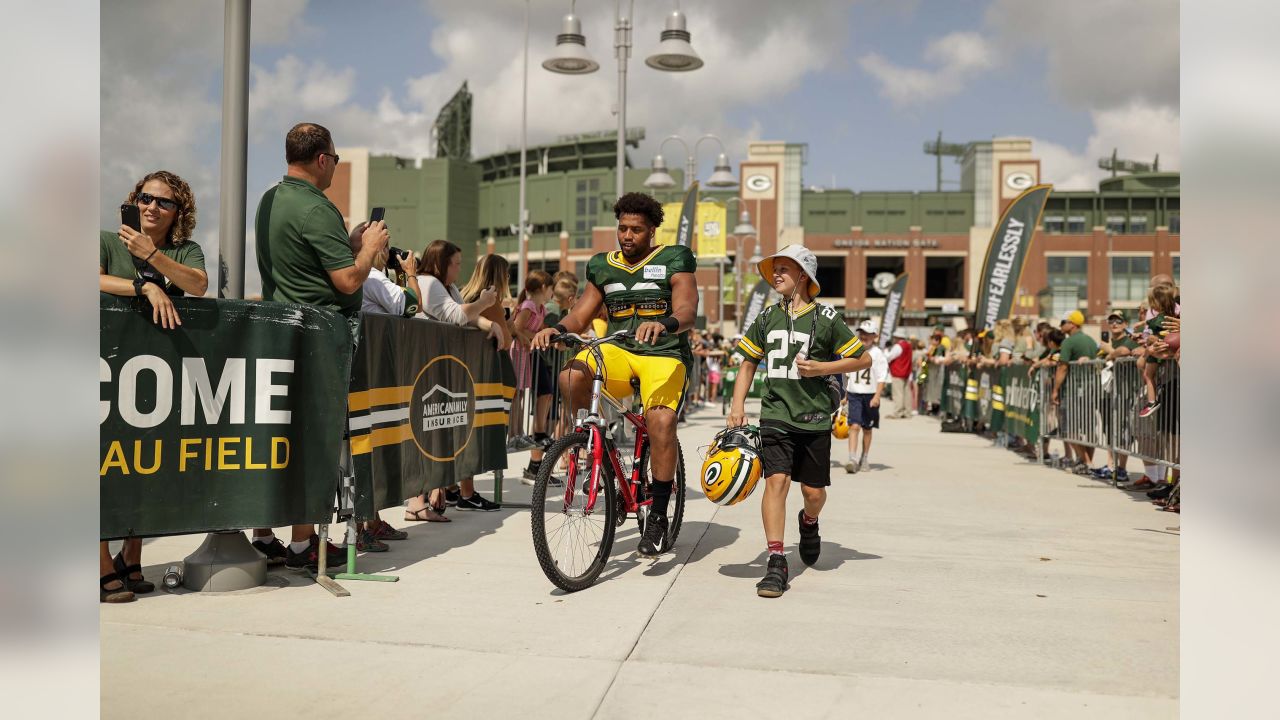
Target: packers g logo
(443,408)
(712,475)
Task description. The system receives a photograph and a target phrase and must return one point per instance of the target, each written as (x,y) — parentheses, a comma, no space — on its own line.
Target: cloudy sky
(864,83)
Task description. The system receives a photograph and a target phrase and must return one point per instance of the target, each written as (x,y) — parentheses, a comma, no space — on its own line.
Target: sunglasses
(335,157)
(145,199)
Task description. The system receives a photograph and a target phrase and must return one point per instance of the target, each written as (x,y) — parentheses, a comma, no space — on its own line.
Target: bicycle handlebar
(576,339)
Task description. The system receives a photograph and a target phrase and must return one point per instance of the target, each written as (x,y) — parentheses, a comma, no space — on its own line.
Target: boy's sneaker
(275,551)
(810,541)
(775,578)
(366,542)
(1082,469)
(851,467)
(476,502)
(451,497)
(863,466)
(1148,409)
(524,442)
(1102,473)
(1122,476)
(309,559)
(654,541)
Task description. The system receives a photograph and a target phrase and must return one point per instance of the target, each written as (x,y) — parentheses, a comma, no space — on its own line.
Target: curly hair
(184,222)
(634,203)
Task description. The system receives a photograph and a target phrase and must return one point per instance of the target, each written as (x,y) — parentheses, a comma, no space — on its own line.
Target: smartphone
(1106,336)
(131,217)
(377,214)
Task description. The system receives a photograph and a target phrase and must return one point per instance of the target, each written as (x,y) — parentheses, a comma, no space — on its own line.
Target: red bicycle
(574,520)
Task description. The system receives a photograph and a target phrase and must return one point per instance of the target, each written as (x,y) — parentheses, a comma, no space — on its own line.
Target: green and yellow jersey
(774,340)
(639,293)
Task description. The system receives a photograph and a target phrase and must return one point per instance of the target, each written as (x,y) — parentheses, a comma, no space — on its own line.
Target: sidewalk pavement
(956,580)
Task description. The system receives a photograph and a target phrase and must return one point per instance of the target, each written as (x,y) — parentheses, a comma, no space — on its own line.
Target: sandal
(141,586)
(426,514)
(118,595)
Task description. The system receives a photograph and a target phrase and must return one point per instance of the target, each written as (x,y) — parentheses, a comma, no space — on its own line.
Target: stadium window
(1137,224)
(582,186)
(943,278)
(1130,277)
(1177,270)
(1115,224)
(1053,223)
(1075,224)
(582,206)
(595,185)
(1064,272)
(831,276)
(1175,223)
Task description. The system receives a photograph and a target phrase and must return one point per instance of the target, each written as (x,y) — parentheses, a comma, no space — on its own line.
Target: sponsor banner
(1021,403)
(428,406)
(710,224)
(1006,254)
(971,396)
(687,227)
(232,421)
(892,310)
(953,389)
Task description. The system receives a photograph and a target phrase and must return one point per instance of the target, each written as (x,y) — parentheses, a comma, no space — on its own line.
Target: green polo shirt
(115,258)
(300,238)
(1077,346)
(1125,341)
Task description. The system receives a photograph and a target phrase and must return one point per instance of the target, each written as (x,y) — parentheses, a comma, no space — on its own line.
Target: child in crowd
(532,372)
(1162,301)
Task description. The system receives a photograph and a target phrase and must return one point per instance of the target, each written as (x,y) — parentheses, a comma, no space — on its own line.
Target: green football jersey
(774,340)
(639,293)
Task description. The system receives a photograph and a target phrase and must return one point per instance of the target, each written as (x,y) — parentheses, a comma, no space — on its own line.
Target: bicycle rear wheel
(571,541)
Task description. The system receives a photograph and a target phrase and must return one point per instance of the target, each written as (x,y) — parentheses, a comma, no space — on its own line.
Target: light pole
(744,229)
(720,177)
(674,54)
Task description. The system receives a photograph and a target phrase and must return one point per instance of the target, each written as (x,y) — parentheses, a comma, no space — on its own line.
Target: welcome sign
(231,421)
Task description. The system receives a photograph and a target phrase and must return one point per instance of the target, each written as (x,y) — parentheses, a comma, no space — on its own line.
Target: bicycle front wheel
(572,537)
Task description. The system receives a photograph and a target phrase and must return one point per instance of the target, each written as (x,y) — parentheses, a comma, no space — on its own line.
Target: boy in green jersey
(801,343)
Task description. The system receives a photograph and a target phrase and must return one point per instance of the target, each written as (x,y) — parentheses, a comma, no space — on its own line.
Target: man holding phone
(305,257)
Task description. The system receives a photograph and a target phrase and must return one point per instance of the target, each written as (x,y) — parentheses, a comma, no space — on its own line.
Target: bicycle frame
(593,423)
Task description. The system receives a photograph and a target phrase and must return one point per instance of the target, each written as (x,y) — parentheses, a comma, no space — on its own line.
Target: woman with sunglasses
(158,261)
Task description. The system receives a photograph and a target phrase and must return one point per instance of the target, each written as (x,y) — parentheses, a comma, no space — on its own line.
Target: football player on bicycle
(651,290)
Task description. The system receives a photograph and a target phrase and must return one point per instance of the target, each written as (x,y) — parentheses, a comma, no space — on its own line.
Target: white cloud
(1138,131)
(956,57)
(1100,53)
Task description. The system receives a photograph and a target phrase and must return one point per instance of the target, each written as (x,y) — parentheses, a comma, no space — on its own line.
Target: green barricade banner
(984,395)
(429,405)
(996,423)
(233,420)
(1021,403)
(953,389)
(970,405)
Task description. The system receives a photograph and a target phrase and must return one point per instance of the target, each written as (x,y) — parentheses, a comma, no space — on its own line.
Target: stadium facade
(1093,249)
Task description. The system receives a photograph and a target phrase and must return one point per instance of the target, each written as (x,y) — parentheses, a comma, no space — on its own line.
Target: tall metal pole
(235,147)
(524,149)
(622,49)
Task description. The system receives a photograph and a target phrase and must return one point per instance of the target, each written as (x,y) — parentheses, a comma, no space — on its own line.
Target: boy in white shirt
(864,390)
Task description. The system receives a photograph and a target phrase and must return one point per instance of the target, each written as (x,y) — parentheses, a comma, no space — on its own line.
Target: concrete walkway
(955,581)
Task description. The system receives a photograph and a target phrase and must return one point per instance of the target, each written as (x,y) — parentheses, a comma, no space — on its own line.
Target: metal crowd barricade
(1156,438)
(1099,408)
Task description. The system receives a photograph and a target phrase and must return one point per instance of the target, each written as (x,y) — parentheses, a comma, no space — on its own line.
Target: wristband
(561,329)
(137,286)
(148,257)
(670,323)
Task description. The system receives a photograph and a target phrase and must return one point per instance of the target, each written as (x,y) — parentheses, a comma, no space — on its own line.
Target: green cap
(1117,312)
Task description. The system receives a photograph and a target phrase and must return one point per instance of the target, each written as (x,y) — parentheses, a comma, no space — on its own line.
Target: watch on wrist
(137,286)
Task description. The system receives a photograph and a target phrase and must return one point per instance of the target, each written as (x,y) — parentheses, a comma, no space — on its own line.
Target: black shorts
(805,456)
(860,411)
(544,382)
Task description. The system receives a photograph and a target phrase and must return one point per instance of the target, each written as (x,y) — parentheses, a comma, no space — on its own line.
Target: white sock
(300,546)
(265,539)
(1155,472)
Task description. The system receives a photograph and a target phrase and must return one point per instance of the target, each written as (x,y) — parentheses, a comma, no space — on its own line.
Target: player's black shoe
(810,542)
(775,578)
(654,541)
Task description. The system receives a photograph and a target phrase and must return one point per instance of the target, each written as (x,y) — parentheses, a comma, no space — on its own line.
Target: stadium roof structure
(569,152)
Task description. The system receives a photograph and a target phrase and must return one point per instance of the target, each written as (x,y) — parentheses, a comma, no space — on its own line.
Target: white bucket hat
(869,327)
(803,256)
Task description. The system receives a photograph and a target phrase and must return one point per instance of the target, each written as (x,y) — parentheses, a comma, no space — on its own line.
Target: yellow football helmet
(733,467)
(840,424)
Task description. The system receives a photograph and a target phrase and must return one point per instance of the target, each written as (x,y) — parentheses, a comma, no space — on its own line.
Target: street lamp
(675,54)
(721,177)
(744,229)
